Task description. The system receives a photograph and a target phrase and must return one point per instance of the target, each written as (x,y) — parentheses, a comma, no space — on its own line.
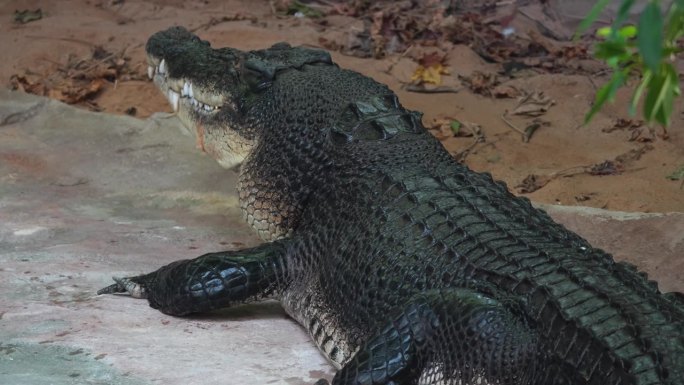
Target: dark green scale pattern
(405,266)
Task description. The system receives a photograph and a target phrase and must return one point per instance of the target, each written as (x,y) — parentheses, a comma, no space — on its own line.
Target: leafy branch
(647,49)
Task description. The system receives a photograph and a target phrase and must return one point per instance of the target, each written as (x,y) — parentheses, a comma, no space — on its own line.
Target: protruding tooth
(150,72)
(162,67)
(174,98)
(190,90)
(185,91)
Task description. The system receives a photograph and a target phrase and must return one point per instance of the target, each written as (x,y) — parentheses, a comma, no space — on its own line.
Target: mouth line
(177,91)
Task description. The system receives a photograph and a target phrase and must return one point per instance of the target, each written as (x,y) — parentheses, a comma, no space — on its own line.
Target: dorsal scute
(281,56)
(377,118)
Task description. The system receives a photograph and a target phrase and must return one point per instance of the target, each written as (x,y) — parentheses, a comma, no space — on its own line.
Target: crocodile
(404,265)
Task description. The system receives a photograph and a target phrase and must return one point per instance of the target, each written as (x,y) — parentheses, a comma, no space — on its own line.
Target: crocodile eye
(255,79)
(257,74)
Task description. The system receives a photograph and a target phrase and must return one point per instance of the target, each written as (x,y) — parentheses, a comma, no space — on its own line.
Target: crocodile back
(382,213)
(398,216)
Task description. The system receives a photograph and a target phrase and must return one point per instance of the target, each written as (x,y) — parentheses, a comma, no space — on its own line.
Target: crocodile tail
(640,282)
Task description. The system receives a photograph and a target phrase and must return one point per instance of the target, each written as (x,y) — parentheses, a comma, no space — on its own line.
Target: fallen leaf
(607,167)
(431,59)
(642,135)
(551,46)
(294,7)
(27,16)
(582,197)
(534,104)
(505,91)
(677,174)
(432,74)
(633,154)
(28,84)
(449,127)
(621,124)
(532,183)
(79,80)
(480,82)
(574,52)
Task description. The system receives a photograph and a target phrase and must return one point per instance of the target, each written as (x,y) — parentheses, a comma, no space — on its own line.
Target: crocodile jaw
(224,144)
(203,97)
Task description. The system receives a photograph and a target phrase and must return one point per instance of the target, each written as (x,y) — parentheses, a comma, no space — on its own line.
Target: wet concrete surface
(84,196)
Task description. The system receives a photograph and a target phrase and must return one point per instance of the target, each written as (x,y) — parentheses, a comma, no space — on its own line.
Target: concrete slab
(84,196)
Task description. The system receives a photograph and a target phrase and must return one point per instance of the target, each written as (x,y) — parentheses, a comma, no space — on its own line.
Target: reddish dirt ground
(64,39)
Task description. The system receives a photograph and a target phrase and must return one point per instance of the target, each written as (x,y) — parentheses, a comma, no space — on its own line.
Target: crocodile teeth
(190,91)
(150,72)
(174,98)
(201,107)
(162,67)
(186,88)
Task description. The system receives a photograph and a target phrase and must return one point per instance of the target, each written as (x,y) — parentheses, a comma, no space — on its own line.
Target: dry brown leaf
(480,82)
(637,133)
(607,167)
(505,91)
(534,104)
(621,124)
(532,183)
(431,59)
(447,127)
(642,135)
(432,74)
(551,46)
(28,84)
(633,154)
(79,80)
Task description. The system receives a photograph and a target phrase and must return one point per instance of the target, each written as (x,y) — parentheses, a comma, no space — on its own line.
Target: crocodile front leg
(447,335)
(211,281)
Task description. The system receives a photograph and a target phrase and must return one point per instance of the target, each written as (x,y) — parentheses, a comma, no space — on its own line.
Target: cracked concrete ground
(84,196)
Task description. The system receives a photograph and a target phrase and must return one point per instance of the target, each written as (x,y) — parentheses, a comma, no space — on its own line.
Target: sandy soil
(70,30)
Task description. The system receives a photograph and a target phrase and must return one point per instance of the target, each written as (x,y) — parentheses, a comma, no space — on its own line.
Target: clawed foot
(125,285)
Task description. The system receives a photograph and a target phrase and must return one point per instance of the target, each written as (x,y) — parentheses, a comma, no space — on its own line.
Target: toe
(134,289)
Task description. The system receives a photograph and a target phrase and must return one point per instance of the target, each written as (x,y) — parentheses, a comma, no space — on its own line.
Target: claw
(111,289)
(125,285)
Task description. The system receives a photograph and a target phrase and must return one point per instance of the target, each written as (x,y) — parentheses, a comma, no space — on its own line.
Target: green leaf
(675,22)
(627,32)
(660,96)
(297,6)
(664,113)
(455,126)
(623,12)
(650,39)
(678,174)
(609,49)
(604,32)
(591,17)
(639,91)
(606,94)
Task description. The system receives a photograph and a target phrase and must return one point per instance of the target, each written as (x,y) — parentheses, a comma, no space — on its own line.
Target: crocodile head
(211,89)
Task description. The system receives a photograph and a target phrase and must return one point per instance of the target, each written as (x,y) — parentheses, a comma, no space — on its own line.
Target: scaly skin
(403,264)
